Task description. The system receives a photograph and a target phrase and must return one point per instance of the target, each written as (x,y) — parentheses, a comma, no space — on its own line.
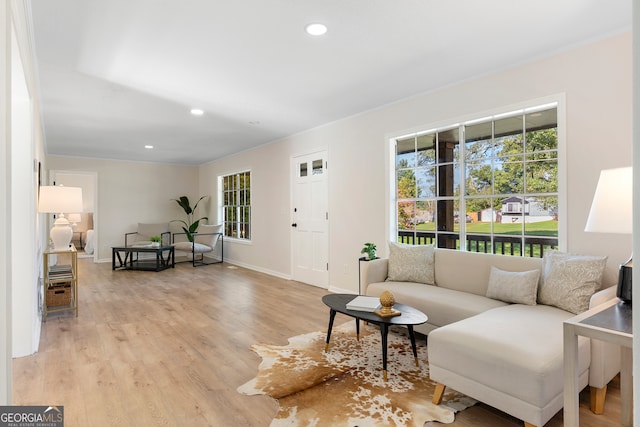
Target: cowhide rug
(345,387)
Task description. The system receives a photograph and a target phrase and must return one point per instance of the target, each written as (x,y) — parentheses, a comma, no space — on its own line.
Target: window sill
(236,240)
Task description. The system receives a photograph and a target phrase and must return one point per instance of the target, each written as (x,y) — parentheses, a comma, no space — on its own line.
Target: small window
(236,205)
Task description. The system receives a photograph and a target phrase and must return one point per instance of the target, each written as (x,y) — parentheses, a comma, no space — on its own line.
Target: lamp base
(61,234)
(624,290)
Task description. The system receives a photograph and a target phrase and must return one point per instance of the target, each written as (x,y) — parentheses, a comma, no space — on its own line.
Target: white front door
(310,219)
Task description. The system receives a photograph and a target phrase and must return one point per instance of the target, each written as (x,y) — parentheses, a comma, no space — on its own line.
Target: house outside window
(236,204)
(490,185)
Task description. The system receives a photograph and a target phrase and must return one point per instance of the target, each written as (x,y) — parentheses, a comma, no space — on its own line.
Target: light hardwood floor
(170,348)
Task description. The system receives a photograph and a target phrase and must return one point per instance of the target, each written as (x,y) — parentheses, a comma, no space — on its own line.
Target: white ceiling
(118,74)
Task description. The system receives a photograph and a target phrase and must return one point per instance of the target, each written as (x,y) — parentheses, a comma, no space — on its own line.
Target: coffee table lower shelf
(128,258)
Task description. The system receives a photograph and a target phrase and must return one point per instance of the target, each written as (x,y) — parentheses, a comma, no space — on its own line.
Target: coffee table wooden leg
(384,332)
(332,316)
(413,343)
(357,329)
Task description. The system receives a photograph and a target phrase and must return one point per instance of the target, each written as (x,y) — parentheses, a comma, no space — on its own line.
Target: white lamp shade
(612,206)
(59,199)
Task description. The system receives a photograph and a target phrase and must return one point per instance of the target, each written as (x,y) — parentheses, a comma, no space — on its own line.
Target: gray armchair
(145,231)
(204,242)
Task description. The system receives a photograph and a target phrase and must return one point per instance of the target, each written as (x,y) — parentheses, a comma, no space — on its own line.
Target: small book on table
(364,303)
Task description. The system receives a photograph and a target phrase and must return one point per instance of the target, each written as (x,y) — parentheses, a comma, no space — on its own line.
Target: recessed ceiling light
(197,112)
(316,29)
(148,147)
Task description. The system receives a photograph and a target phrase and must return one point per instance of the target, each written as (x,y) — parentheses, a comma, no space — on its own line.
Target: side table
(60,281)
(611,322)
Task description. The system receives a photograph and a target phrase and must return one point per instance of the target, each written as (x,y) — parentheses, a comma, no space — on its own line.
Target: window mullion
(462,203)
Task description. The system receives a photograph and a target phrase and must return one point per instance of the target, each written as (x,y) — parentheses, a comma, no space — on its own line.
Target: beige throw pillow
(569,281)
(408,263)
(520,287)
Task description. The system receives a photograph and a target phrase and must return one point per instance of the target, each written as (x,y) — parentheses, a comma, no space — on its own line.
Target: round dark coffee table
(410,316)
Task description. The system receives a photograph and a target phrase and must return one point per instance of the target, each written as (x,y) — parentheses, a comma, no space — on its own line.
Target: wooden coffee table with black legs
(337,303)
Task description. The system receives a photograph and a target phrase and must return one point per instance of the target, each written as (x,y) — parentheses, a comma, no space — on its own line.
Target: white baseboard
(258,269)
(239,264)
(335,290)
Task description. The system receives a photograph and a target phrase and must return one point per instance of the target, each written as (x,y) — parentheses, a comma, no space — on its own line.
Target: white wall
(636,203)
(596,80)
(132,192)
(269,166)
(23,213)
(5,213)
(21,147)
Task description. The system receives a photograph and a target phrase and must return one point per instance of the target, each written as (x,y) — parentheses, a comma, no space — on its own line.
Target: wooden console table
(611,322)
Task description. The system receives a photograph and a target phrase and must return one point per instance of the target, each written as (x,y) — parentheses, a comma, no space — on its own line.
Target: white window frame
(560,104)
(221,206)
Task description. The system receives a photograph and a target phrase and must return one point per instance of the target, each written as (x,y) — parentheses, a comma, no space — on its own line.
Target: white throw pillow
(409,263)
(569,281)
(520,287)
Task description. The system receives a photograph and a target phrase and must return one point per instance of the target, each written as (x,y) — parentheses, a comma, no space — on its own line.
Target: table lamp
(612,212)
(74,219)
(57,200)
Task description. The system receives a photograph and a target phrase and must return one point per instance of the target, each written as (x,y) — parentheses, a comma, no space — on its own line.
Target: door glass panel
(317,167)
(303,169)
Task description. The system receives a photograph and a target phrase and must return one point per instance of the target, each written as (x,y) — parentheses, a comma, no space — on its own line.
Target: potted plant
(189,226)
(155,241)
(370,250)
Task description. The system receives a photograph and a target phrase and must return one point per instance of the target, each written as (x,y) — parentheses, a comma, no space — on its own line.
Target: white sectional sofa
(495,322)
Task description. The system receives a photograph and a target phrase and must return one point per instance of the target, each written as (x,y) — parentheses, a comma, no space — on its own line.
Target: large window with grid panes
(236,204)
(488,185)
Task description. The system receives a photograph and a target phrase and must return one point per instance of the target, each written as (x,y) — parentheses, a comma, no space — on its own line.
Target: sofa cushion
(569,280)
(469,271)
(409,263)
(519,287)
(207,234)
(196,247)
(442,306)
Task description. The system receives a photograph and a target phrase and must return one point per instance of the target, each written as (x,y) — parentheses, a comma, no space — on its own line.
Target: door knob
(294,225)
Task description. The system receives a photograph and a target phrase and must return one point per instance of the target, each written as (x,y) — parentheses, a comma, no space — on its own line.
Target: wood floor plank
(170,349)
